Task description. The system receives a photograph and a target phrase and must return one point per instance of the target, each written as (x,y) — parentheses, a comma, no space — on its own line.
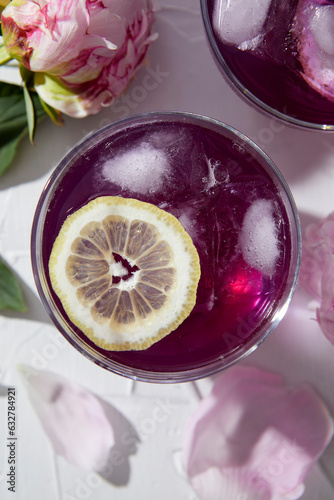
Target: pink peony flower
(252,438)
(317,271)
(83,52)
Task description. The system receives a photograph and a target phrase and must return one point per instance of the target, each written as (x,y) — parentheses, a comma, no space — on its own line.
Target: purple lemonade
(278,53)
(230,199)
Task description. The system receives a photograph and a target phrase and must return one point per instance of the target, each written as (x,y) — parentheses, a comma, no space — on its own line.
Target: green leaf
(53,113)
(13,120)
(8,151)
(30,112)
(10,292)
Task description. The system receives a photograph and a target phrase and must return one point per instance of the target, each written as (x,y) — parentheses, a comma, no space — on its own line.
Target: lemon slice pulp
(125,271)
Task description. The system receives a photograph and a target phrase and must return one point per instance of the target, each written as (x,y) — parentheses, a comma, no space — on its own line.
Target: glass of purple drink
(232,201)
(278,54)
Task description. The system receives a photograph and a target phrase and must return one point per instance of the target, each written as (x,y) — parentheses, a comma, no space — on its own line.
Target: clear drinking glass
(277,60)
(234,203)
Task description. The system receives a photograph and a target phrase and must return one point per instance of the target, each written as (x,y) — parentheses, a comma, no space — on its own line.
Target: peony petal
(317,271)
(67,23)
(255,437)
(56,33)
(325,314)
(326,323)
(51,33)
(103,25)
(327,286)
(72,417)
(212,484)
(78,101)
(311,273)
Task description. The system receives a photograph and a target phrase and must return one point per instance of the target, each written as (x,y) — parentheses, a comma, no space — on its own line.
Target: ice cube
(142,169)
(258,238)
(314,28)
(187,219)
(240,22)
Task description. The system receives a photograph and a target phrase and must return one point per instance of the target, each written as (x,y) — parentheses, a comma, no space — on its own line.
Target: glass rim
(116,367)
(243,92)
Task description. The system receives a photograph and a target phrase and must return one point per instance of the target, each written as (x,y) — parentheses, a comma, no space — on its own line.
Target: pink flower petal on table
(325,319)
(311,271)
(72,417)
(325,313)
(254,438)
(317,271)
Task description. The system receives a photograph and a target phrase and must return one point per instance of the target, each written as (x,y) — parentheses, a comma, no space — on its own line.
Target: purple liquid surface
(272,71)
(208,182)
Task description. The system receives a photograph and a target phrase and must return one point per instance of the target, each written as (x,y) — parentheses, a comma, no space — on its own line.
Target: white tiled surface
(187,80)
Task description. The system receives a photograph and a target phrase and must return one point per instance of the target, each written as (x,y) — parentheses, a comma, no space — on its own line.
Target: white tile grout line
(57,477)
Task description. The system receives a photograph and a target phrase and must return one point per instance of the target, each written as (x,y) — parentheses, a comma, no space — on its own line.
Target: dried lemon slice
(125,271)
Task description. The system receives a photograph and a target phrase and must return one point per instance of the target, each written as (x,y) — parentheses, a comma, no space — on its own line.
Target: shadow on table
(297,152)
(52,144)
(3,390)
(35,310)
(116,470)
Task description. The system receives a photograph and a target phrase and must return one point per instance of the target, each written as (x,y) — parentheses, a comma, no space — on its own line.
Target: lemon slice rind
(181,298)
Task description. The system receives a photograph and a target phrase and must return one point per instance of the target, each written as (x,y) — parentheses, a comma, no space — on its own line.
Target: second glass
(278,55)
